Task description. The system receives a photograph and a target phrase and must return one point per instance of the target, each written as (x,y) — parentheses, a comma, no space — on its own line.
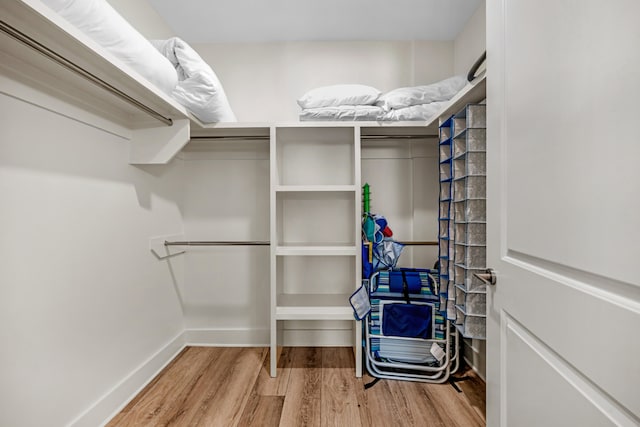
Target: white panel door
(563,212)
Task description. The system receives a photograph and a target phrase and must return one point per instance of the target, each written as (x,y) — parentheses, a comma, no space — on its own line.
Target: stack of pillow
(340,102)
(419,102)
(361,102)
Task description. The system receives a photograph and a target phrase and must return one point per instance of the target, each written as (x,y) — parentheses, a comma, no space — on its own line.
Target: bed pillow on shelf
(198,88)
(336,95)
(423,112)
(101,23)
(403,97)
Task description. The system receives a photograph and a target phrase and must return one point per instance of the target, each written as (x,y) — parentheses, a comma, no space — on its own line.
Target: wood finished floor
(315,386)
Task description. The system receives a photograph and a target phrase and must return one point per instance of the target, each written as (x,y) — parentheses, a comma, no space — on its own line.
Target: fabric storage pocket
(398,278)
(407,320)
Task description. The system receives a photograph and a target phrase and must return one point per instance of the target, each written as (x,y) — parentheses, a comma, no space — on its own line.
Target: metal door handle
(488,277)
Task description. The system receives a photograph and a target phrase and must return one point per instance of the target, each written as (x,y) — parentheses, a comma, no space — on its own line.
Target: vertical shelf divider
(315,222)
(274,181)
(357,345)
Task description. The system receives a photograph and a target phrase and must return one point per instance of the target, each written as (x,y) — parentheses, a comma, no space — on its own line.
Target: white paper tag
(437,352)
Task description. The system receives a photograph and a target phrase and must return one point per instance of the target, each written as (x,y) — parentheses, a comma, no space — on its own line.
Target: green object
(366,197)
(369,228)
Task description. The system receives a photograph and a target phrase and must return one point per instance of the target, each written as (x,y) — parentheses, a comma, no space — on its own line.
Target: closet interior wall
(226,288)
(226,198)
(87,312)
(403,178)
(264,80)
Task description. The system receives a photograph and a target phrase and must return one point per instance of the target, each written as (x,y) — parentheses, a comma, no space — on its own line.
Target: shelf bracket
(160,250)
(158,145)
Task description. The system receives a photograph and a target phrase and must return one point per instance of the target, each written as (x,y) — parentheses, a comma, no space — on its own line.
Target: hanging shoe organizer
(462,220)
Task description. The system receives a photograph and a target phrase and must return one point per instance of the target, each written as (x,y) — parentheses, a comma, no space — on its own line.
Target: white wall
(87,313)
(263,80)
(404,189)
(144,18)
(226,197)
(471,41)
(226,289)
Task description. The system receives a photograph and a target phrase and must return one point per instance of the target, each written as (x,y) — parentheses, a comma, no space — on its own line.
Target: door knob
(488,277)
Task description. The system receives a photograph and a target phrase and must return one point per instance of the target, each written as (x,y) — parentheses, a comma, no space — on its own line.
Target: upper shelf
(40,48)
(472,93)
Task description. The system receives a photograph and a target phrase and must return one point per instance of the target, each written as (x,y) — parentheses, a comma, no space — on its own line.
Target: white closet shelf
(353,123)
(396,130)
(328,249)
(473,93)
(314,188)
(42,50)
(229,129)
(36,21)
(313,307)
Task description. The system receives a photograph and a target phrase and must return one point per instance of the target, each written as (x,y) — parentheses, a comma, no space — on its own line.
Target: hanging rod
(266,138)
(219,243)
(399,137)
(64,62)
(231,137)
(419,243)
(267,243)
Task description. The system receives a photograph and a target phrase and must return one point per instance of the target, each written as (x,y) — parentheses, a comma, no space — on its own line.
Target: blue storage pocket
(406,320)
(398,277)
(367,266)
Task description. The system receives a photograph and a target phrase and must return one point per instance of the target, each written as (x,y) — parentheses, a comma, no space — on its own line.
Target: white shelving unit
(315,227)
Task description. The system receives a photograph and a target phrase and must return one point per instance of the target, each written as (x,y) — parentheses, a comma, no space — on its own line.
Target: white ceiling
(199,21)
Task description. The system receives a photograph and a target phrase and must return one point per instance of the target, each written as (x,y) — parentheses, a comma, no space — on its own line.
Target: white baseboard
(474,353)
(227,337)
(260,337)
(317,338)
(117,398)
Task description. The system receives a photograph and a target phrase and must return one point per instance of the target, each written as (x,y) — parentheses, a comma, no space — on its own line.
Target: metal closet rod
(219,243)
(71,66)
(265,243)
(373,137)
(419,243)
(232,137)
(265,138)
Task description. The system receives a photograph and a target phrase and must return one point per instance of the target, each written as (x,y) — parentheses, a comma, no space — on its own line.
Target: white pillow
(342,112)
(100,22)
(407,96)
(335,95)
(198,87)
(423,112)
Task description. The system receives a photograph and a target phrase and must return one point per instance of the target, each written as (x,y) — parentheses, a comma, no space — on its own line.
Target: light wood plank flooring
(315,386)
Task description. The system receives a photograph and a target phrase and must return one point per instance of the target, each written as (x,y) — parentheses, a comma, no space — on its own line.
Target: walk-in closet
(341,213)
